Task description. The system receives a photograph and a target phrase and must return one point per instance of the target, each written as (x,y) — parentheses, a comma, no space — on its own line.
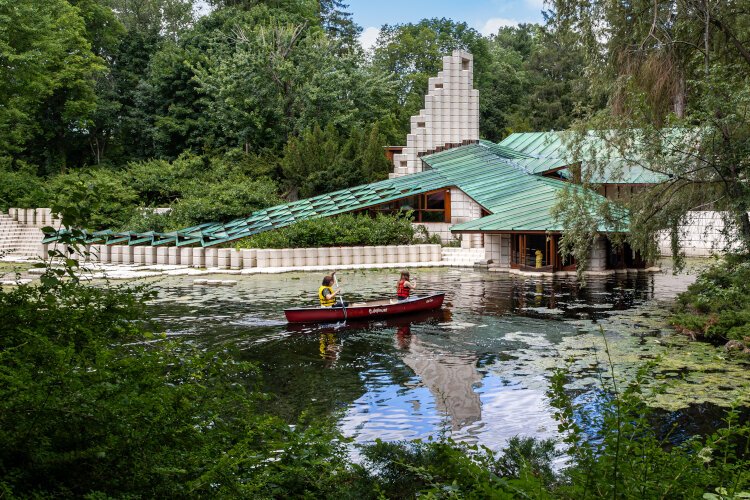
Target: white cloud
(368,37)
(493,24)
(536,4)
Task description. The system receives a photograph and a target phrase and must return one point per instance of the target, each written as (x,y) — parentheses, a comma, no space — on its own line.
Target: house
(493,196)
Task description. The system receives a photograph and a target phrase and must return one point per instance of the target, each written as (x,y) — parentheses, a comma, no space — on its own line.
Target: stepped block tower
(450,116)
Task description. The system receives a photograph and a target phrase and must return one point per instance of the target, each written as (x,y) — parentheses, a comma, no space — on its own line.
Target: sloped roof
(494,176)
(326,205)
(530,163)
(529,210)
(551,146)
(517,200)
(491,180)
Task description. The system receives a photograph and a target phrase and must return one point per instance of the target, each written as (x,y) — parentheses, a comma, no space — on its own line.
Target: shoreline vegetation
(97,403)
(716,308)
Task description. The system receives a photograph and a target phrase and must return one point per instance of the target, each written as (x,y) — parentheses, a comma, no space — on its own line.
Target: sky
(486,16)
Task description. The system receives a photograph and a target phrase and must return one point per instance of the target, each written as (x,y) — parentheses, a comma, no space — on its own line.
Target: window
(427,207)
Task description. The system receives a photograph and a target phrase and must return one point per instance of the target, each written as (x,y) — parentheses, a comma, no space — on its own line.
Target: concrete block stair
(18,240)
(465,257)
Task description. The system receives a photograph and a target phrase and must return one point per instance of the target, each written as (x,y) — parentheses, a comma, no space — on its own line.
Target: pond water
(478,370)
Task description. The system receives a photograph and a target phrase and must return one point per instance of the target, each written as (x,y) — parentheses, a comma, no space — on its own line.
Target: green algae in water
(684,372)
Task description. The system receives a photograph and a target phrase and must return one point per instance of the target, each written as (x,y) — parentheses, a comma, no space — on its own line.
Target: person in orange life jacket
(405,286)
(327,295)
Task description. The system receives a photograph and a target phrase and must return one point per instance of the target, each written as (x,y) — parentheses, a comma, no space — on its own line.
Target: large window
(428,207)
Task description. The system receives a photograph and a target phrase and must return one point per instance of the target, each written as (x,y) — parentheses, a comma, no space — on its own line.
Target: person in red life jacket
(404,286)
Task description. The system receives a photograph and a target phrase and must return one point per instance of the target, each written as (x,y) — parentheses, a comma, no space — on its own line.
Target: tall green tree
(48,75)
(281,76)
(677,74)
(320,160)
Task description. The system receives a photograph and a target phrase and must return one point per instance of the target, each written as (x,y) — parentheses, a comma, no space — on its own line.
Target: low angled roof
(337,202)
(498,178)
(517,200)
(551,146)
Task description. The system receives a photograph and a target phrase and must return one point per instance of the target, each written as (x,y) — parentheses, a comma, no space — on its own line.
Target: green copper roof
(528,210)
(325,205)
(526,162)
(517,200)
(498,178)
(551,146)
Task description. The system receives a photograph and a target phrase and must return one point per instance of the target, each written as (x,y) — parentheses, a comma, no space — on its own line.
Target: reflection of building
(451,378)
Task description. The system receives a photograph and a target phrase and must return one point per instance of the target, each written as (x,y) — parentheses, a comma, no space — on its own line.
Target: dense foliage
(118,91)
(92,401)
(343,230)
(717,306)
(675,76)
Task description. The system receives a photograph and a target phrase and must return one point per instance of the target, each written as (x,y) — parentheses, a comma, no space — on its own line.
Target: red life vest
(402,292)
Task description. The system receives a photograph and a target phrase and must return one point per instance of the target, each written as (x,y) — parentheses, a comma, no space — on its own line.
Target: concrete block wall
(34,217)
(450,116)
(462,256)
(497,249)
(700,236)
(598,257)
(230,258)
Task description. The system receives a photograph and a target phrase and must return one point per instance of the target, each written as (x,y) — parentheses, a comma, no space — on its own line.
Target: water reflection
(451,378)
(478,369)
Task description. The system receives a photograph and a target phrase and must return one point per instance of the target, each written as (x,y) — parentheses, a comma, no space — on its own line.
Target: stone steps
(18,240)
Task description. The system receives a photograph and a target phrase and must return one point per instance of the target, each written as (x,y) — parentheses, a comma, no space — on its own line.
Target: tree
(338,23)
(676,75)
(48,75)
(166,18)
(279,76)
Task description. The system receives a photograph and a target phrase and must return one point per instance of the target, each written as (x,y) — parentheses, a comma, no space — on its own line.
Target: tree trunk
(744,222)
(680,96)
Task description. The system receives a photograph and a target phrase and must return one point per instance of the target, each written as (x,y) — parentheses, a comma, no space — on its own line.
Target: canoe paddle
(341,296)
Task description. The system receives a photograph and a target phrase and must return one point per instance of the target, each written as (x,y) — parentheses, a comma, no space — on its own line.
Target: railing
(528,259)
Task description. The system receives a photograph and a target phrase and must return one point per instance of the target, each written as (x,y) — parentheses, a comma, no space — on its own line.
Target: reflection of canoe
(364,310)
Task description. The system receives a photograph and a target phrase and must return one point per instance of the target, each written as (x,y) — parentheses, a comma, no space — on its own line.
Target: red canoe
(363,310)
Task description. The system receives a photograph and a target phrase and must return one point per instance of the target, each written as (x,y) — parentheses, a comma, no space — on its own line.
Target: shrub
(100,197)
(342,230)
(717,306)
(222,201)
(92,404)
(20,188)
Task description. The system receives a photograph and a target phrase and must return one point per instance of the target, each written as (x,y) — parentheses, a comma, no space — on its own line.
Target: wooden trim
(447,206)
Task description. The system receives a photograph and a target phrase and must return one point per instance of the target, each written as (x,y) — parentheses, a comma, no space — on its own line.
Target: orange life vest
(402,292)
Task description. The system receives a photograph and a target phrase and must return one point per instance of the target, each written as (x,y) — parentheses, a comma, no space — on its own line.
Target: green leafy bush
(20,187)
(198,189)
(717,306)
(222,201)
(342,230)
(102,197)
(93,404)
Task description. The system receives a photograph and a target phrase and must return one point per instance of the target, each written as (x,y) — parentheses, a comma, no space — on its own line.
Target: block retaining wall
(230,258)
(34,217)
